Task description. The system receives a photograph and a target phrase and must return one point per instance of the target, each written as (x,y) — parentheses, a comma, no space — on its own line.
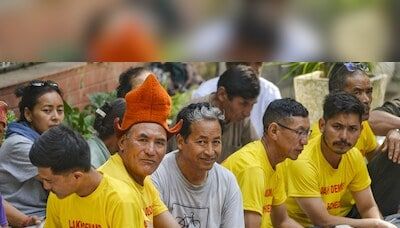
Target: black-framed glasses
(43,83)
(351,66)
(300,133)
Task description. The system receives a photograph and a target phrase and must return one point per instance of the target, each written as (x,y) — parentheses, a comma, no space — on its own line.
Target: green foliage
(79,121)
(82,121)
(179,100)
(11,116)
(99,99)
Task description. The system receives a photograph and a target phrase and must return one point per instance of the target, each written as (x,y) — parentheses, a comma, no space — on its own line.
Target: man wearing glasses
(255,166)
(383,168)
(329,169)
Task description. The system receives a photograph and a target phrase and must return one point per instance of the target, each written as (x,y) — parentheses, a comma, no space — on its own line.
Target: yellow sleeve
(369,143)
(279,191)
(158,205)
(126,214)
(251,183)
(302,179)
(361,179)
(52,212)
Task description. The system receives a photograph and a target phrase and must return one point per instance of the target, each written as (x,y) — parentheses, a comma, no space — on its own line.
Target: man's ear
(121,143)
(180,141)
(77,174)
(272,131)
(321,124)
(221,94)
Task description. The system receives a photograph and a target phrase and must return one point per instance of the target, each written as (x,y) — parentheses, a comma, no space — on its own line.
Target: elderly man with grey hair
(197,191)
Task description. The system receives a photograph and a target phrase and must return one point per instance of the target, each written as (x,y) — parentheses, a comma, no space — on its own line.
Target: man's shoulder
(119,191)
(206,88)
(246,157)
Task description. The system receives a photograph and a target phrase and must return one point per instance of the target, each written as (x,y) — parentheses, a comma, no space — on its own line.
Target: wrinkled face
(292,135)
(48,112)
(237,108)
(202,147)
(61,185)
(142,148)
(360,86)
(340,133)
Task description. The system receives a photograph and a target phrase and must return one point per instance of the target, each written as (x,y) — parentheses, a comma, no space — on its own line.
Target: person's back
(105,142)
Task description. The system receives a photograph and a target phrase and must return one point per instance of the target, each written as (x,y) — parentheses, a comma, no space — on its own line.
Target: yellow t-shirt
(312,176)
(261,185)
(366,142)
(150,198)
(112,204)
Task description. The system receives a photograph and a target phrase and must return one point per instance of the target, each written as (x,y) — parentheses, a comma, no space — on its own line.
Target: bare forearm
(289,223)
(381,122)
(372,212)
(15,217)
(337,220)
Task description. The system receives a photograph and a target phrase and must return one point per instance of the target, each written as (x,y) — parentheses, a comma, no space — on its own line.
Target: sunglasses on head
(351,66)
(44,83)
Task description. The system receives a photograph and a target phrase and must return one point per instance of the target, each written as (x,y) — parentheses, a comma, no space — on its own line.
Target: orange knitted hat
(3,113)
(147,103)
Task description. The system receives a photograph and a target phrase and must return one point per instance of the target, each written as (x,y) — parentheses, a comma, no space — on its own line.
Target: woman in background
(41,107)
(105,142)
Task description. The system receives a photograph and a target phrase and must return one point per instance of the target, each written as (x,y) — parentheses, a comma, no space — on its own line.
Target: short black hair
(338,76)
(61,149)
(281,109)
(195,112)
(342,102)
(240,81)
(125,79)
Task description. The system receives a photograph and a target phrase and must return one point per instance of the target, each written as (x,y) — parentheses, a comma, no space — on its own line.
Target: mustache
(342,143)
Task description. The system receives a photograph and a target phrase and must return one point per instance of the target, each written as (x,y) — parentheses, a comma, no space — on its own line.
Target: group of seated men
(222,172)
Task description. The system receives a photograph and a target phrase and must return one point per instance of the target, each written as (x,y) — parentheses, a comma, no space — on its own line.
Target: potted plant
(310,81)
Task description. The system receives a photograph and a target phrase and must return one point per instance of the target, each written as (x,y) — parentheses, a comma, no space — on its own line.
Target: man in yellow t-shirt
(142,145)
(382,167)
(80,196)
(256,166)
(329,167)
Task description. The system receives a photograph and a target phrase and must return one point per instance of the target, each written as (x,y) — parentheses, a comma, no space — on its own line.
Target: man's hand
(380,223)
(391,145)
(31,221)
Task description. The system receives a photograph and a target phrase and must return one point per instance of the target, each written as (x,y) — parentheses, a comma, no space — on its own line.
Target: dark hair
(339,75)
(240,81)
(342,102)
(105,116)
(195,112)
(125,79)
(281,109)
(61,149)
(31,92)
